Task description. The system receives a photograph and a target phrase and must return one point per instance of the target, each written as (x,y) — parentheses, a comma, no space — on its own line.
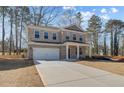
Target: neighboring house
(51,43)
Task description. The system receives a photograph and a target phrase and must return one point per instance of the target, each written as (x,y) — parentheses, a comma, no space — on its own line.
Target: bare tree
(11,16)
(16,22)
(24,19)
(67,18)
(3,11)
(43,15)
(115,28)
(78,19)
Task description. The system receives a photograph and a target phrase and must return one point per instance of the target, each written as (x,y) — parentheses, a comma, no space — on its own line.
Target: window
(81,39)
(46,35)
(67,37)
(54,36)
(37,34)
(74,37)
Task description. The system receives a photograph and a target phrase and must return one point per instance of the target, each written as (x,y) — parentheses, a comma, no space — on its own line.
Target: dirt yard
(18,73)
(114,67)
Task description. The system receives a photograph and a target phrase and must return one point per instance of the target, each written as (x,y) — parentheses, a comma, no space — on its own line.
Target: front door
(69,53)
(72,52)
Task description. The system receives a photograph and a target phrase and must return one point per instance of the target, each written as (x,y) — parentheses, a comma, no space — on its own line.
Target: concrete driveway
(70,74)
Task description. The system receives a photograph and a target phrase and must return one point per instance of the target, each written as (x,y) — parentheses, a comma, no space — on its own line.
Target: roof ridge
(71,27)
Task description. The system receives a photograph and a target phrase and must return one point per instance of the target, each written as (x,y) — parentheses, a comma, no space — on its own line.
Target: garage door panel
(46,53)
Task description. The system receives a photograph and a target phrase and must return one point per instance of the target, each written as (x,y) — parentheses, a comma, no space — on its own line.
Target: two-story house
(52,43)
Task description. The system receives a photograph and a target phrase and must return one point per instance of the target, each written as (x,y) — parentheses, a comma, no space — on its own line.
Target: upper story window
(37,34)
(81,39)
(74,36)
(54,36)
(67,37)
(45,35)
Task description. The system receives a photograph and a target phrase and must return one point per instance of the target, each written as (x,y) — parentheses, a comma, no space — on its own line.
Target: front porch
(76,51)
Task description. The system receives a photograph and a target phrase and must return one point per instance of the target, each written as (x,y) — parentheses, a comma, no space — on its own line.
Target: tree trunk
(16,31)
(115,43)
(10,50)
(123,50)
(111,43)
(21,35)
(123,47)
(3,35)
(105,43)
(96,42)
(97,46)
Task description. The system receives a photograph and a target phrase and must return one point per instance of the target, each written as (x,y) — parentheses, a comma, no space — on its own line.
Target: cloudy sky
(105,12)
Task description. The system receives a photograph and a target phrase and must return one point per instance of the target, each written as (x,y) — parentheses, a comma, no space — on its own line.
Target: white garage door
(46,53)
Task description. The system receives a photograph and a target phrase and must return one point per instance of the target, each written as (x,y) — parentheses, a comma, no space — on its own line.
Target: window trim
(55,36)
(46,36)
(36,33)
(80,39)
(74,36)
(68,37)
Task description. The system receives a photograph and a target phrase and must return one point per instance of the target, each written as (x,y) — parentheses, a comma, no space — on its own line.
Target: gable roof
(74,27)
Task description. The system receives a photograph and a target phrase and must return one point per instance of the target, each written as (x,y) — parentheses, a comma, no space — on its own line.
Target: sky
(104,12)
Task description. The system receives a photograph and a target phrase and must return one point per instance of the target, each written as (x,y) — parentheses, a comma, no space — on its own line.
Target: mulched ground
(18,73)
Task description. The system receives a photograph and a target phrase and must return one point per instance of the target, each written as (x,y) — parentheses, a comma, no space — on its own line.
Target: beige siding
(70,34)
(62,52)
(61,35)
(87,51)
(31,35)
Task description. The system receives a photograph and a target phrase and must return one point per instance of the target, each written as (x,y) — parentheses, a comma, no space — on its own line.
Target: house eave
(57,44)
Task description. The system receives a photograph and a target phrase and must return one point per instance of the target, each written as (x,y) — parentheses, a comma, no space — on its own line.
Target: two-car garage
(46,53)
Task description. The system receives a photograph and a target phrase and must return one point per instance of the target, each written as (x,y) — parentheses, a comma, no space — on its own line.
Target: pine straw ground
(18,72)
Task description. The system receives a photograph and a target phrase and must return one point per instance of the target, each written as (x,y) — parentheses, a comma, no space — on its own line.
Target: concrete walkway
(70,74)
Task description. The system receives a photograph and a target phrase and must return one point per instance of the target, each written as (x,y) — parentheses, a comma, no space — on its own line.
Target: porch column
(66,52)
(77,51)
(90,51)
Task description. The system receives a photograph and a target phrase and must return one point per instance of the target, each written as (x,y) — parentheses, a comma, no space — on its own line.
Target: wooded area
(16,18)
